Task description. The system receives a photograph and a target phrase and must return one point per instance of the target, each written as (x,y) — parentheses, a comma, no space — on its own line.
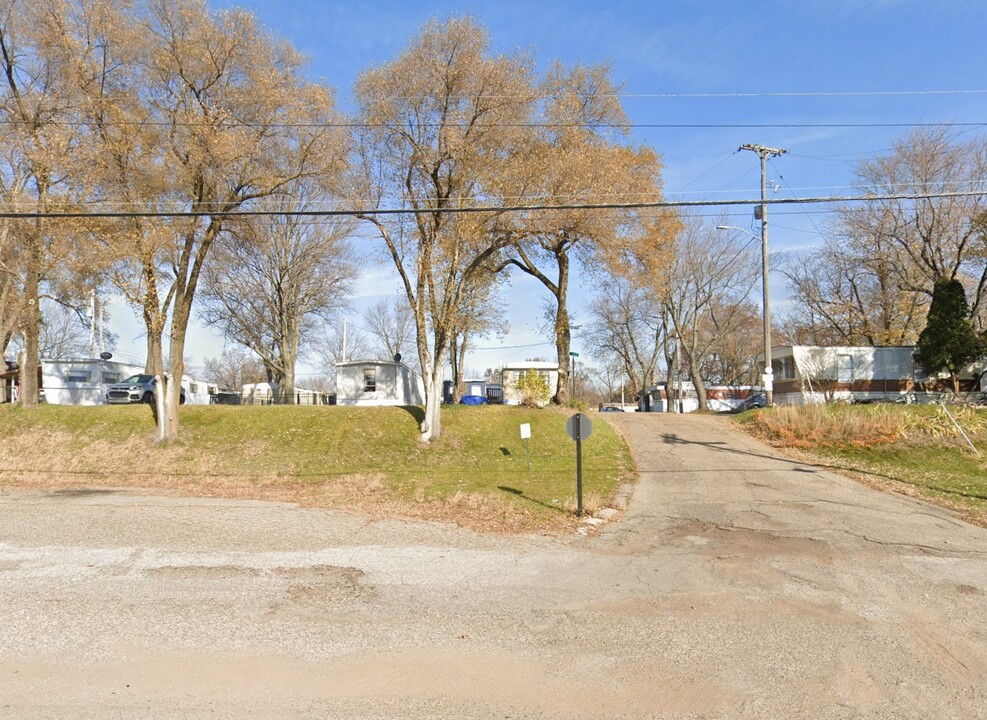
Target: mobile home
(378,382)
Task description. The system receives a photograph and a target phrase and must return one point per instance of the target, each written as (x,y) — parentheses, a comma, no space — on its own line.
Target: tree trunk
(154,365)
(563,333)
(275,380)
(287,352)
(154,321)
(288,383)
(431,427)
(562,345)
(457,369)
(673,370)
(176,363)
(697,383)
(32,323)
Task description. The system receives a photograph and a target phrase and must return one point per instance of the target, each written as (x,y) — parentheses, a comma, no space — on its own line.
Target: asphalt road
(737,585)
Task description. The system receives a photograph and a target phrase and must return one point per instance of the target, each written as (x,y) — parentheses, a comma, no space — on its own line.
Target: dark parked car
(135,389)
(754,402)
(611,408)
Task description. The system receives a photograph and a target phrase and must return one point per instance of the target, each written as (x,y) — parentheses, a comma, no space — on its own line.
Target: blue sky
(680,61)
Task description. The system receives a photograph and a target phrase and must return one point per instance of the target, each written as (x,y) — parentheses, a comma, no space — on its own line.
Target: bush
(532,388)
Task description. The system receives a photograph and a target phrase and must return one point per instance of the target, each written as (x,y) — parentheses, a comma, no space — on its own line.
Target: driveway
(737,585)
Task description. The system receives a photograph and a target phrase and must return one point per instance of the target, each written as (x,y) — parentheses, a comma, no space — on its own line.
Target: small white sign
(525,431)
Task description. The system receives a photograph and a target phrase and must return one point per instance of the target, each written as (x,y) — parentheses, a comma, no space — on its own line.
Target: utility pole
(678,373)
(764,153)
(343,353)
(92,324)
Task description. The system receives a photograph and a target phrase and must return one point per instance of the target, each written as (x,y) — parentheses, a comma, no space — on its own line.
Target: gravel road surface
(737,585)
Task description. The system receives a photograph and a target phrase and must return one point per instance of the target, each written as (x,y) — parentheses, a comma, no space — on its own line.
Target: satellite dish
(106,355)
(397,357)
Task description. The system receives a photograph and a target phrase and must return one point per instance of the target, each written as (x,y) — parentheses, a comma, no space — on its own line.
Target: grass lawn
(912,449)
(368,459)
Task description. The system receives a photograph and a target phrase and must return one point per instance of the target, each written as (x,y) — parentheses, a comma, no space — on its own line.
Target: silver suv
(135,389)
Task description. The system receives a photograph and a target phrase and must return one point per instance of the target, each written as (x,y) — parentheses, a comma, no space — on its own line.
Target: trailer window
(844,368)
(370,380)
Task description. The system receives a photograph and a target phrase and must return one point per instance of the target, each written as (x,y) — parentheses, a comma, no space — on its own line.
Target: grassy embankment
(911,449)
(368,459)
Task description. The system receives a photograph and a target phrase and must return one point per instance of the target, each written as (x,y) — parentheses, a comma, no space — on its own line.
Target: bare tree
(66,331)
(623,325)
(734,332)
(607,381)
(703,291)
(126,144)
(328,350)
(391,324)
(872,280)
(849,292)
(272,280)
(233,369)
(441,123)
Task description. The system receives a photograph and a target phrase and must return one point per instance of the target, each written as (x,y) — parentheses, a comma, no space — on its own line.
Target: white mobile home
(83,381)
(815,374)
(378,382)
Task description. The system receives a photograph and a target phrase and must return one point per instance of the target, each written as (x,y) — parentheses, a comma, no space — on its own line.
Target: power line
(472,210)
(699,177)
(808,93)
(618,216)
(515,347)
(531,125)
(753,94)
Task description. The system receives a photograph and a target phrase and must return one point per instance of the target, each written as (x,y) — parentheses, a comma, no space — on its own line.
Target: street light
(768,377)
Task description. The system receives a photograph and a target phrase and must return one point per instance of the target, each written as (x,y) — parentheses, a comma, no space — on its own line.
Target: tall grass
(807,426)
(856,426)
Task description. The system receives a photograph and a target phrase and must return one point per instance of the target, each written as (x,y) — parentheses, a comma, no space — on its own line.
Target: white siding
(393,384)
(83,381)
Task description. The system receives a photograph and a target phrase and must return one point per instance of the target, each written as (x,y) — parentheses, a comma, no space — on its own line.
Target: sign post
(572,373)
(525,434)
(579,427)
